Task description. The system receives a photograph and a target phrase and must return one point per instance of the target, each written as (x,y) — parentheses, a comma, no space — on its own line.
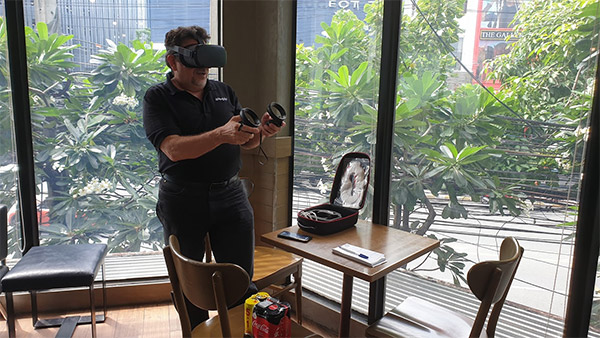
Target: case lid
(351,181)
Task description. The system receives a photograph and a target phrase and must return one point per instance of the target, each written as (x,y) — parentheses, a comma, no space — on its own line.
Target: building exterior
(93,22)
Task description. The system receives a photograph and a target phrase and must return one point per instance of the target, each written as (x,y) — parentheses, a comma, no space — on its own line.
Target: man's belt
(202,185)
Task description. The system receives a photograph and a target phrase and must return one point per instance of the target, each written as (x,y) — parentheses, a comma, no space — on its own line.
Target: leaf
(459,179)
(447,152)
(468,151)
(336,56)
(358,73)
(343,76)
(434,155)
(42,29)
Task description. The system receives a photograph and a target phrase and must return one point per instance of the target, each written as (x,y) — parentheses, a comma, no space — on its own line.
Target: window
(484,146)
(337,84)
(8,157)
(89,65)
(486,165)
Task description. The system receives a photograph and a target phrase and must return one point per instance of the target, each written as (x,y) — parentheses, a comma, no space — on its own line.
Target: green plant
(95,168)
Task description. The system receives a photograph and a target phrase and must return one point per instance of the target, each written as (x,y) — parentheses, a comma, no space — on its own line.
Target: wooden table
(399,248)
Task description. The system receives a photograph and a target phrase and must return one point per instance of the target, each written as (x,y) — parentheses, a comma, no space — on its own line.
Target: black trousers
(191,211)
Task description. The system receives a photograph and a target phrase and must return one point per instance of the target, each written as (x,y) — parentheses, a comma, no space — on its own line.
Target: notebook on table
(361,255)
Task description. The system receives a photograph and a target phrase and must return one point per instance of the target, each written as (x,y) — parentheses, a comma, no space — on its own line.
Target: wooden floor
(149,321)
(140,321)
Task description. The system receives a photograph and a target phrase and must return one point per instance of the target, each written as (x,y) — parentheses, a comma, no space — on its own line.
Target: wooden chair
(272,267)
(211,286)
(489,281)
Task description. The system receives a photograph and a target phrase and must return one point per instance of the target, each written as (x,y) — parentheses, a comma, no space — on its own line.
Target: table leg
(376,300)
(298,281)
(346,306)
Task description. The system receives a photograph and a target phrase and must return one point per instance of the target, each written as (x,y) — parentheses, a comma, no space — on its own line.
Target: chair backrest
(207,286)
(490,281)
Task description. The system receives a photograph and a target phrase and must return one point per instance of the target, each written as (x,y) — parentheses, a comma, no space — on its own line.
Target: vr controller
(251,119)
(277,113)
(201,55)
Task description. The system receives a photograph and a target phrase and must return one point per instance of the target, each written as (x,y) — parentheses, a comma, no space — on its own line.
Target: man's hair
(175,37)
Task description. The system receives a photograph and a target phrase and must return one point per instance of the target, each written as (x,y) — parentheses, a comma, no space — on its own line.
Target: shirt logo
(220,99)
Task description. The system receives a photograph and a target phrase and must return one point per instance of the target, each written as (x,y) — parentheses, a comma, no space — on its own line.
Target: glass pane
(337,84)
(489,137)
(8,157)
(90,64)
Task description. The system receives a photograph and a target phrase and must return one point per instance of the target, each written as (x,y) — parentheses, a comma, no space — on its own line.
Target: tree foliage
(94,166)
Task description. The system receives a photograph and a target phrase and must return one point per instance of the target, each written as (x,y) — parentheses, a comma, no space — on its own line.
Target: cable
(261,151)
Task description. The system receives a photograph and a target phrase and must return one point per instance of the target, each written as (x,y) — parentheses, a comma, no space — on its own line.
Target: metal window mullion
(587,238)
(392,18)
(292,112)
(17,62)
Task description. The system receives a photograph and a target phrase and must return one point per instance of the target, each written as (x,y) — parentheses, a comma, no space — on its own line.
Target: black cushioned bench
(52,267)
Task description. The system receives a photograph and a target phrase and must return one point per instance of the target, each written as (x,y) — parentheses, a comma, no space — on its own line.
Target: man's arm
(178,147)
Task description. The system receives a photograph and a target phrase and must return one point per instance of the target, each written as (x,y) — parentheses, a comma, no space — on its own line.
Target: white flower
(322,187)
(563,163)
(585,131)
(58,166)
(324,164)
(124,100)
(94,186)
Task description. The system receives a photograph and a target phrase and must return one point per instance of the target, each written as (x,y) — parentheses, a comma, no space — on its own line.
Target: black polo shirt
(170,111)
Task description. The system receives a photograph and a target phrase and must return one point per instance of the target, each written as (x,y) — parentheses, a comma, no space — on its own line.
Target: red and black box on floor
(347,197)
(271,319)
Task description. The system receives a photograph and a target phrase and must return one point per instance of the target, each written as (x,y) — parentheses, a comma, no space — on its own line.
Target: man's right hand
(234,132)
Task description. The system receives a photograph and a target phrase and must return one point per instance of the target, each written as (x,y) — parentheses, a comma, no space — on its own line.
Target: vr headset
(201,55)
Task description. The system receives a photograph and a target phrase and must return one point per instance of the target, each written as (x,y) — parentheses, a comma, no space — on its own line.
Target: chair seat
(55,266)
(272,264)
(416,317)
(212,327)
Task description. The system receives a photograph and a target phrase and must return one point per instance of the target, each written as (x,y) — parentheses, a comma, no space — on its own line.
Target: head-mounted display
(201,55)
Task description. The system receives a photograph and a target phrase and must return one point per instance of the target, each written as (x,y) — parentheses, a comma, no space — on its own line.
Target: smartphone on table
(294,236)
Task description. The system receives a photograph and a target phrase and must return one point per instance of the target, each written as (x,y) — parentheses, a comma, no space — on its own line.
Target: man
(194,124)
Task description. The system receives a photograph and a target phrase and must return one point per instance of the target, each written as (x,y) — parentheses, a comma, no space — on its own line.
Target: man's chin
(200,83)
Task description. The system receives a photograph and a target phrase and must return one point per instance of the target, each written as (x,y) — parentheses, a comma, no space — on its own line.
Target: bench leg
(103,291)
(93,318)
(100,318)
(34,312)
(10,315)
(93,310)
(70,321)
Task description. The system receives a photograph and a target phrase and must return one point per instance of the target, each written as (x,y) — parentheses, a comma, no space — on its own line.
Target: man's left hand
(269,129)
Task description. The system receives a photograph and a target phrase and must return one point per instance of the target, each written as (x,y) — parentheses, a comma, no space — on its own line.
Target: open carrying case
(347,197)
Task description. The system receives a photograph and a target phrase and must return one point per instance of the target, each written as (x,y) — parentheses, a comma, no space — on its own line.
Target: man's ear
(172,61)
